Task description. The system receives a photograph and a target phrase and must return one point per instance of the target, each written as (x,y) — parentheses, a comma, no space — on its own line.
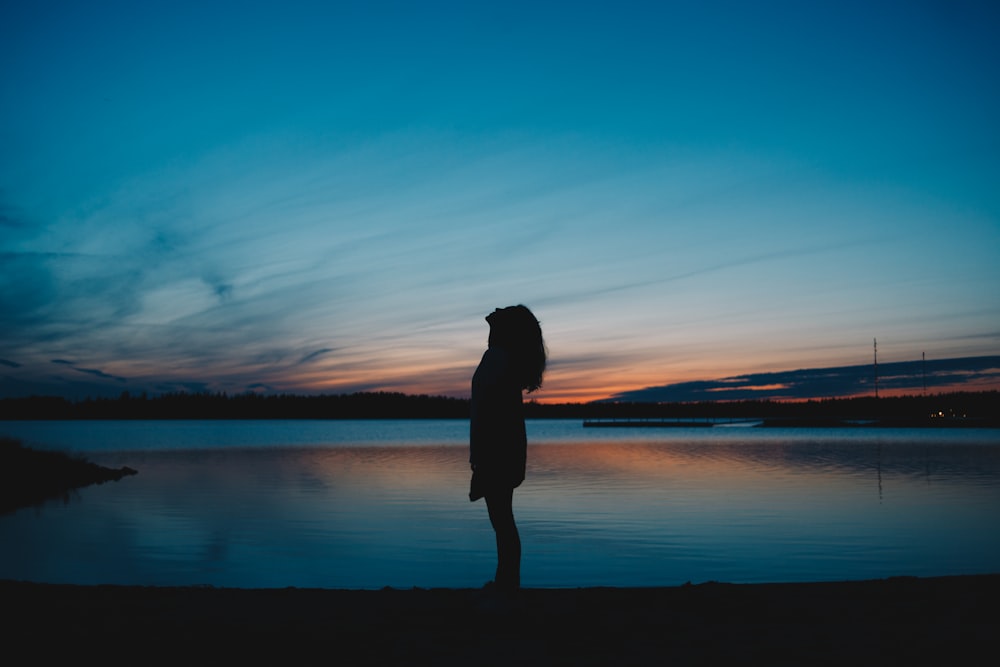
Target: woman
(514,362)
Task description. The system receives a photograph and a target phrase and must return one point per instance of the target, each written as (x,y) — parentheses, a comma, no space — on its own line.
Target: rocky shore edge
(30,477)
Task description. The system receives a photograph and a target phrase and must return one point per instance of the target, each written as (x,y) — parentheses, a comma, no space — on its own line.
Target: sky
(329,197)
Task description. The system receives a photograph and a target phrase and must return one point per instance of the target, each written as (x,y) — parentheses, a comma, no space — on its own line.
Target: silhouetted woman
(514,362)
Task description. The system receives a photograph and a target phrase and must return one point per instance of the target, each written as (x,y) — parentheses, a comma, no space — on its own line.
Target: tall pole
(875,345)
(923,369)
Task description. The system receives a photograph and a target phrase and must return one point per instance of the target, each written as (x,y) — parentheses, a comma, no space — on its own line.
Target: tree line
(968,406)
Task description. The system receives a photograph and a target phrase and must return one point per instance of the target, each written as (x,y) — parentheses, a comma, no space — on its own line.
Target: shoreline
(30,478)
(900,620)
(791,422)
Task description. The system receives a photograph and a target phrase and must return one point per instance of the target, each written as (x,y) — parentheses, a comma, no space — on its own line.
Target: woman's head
(516,330)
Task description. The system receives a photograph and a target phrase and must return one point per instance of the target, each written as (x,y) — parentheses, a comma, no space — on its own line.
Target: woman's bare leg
(501,509)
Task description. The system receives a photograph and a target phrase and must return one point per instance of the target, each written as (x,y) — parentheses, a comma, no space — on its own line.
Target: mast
(923,369)
(875,345)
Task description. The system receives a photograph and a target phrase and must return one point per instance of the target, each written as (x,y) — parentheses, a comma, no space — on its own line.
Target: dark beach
(948,620)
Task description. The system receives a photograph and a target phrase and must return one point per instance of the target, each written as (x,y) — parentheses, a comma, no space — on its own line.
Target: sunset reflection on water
(614,509)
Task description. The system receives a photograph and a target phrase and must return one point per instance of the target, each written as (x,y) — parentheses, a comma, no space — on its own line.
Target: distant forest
(967,408)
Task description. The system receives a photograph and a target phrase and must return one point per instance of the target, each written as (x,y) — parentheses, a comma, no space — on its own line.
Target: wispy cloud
(89,371)
(970,373)
(313,356)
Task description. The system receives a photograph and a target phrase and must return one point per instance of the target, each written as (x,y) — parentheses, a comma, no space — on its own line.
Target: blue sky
(330,196)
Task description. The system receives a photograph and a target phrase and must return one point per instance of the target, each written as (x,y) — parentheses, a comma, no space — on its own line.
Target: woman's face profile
(497,314)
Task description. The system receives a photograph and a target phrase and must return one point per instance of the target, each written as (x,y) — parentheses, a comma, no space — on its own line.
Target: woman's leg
(501,509)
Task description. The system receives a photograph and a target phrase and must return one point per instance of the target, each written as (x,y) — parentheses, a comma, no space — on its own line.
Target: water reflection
(636,512)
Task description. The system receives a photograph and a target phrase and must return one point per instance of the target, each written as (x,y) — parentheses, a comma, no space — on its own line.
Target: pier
(636,422)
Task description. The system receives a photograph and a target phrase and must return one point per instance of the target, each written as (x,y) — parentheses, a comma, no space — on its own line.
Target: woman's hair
(516,330)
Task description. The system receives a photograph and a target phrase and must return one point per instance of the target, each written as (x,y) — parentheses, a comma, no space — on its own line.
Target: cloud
(313,356)
(100,374)
(827,382)
(89,371)
(10,364)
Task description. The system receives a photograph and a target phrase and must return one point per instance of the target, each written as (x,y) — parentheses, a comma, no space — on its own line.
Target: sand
(949,620)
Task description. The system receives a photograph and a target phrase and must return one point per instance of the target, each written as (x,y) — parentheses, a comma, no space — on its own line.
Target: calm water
(369,504)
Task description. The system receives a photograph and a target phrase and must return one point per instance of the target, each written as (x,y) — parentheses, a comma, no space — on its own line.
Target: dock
(662,423)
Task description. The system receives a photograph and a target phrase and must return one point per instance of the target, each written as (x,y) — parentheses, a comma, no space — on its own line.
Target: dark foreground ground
(905,621)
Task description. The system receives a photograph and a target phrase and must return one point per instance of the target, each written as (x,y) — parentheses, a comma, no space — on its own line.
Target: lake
(368,504)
